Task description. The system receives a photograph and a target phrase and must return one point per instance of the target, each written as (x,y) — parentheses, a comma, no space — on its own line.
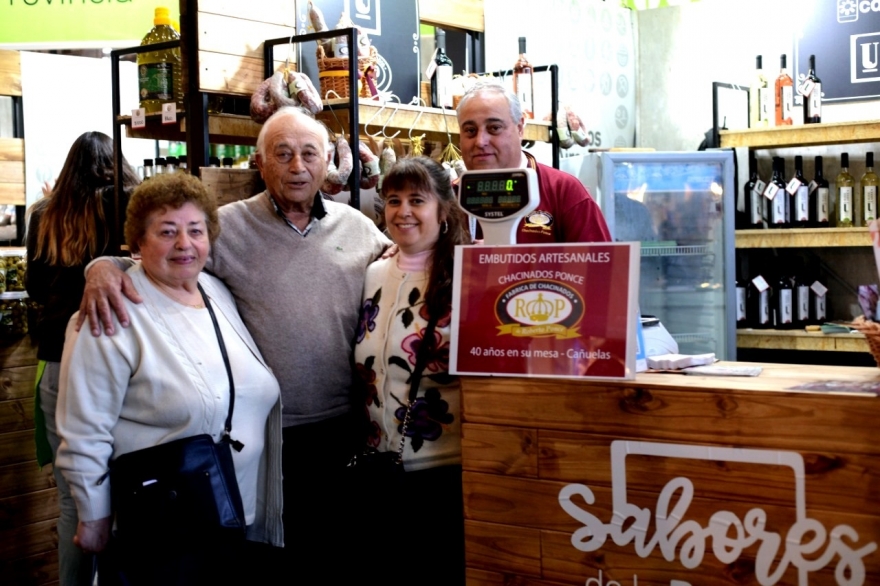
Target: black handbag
(372,463)
(182,488)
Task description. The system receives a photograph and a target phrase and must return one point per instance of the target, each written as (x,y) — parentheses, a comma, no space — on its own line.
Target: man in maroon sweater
(491,125)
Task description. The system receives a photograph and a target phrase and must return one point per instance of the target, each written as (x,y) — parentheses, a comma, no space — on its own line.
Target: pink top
(411,263)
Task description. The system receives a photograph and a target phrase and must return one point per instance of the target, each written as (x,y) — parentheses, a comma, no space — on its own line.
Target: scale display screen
(494,195)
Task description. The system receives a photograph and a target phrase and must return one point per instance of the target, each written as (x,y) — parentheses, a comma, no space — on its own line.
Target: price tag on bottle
(761,284)
(793,185)
(819,289)
(806,88)
(169,113)
(812,187)
(770,191)
(138,118)
(432,66)
(759,186)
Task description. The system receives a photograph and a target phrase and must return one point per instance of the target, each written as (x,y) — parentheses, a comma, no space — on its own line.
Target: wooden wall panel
(465,14)
(10,73)
(41,568)
(29,540)
(23,478)
(17,383)
(509,450)
(236,36)
(11,172)
(11,168)
(16,447)
(276,11)
(229,74)
(17,414)
(29,508)
(513,549)
(18,352)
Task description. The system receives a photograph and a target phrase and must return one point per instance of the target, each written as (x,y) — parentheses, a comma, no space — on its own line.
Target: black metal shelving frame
(554,102)
(352,105)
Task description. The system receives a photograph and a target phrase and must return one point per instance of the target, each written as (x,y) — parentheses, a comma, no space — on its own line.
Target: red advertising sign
(547,310)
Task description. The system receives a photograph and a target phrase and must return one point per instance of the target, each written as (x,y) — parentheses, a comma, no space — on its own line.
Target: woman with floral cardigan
(422,521)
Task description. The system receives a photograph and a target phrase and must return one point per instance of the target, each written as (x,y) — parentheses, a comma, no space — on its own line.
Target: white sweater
(146,386)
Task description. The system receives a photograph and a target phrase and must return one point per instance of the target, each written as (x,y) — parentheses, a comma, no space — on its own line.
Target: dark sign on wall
(392,27)
(844,35)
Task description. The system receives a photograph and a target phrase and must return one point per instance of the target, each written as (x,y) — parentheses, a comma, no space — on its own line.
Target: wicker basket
(333,73)
(871,330)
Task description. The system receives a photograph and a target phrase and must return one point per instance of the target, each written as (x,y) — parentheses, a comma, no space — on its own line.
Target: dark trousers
(318,532)
(412,529)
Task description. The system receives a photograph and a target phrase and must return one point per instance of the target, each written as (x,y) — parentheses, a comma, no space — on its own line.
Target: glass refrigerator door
(679,207)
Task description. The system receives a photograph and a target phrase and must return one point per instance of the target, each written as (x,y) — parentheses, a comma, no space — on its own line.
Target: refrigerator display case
(679,206)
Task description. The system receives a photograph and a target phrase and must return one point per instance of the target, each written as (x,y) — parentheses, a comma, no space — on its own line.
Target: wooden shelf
(222,128)
(800,340)
(803,238)
(803,135)
(232,129)
(433,122)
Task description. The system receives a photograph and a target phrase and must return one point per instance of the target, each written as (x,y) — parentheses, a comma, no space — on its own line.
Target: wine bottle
(845,184)
(869,191)
(160,166)
(148,169)
(819,198)
(783,306)
(523,81)
(777,196)
(441,77)
(759,98)
(799,192)
(742,318)
(801,301)
(758,301)
(784,95)
(752,198)
(818,302)
(812,92)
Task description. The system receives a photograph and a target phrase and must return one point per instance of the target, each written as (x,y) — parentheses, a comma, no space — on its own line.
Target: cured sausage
(261,103)
(369,167)
(330,186)
(278,92)
(577,127)
(301,88)
(344,156)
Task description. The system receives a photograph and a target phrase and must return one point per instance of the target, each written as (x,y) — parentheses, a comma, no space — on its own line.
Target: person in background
(162,379)
(65,232)
(295,264)
(423,519)
(491,126)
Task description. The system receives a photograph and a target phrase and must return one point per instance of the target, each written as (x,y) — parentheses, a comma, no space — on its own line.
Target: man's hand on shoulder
(106,285)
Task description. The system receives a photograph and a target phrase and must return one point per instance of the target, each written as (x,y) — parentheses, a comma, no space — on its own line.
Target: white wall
(683,49)
(65,96)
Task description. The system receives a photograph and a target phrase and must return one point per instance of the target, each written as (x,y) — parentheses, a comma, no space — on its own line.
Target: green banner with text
(77,23)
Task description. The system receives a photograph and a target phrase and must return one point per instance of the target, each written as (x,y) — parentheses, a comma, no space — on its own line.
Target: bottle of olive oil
(159,72)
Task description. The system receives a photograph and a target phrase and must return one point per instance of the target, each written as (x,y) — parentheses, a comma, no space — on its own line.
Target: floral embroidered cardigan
(392,325)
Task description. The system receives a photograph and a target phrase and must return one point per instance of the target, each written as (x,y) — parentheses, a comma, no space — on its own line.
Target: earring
(445,227)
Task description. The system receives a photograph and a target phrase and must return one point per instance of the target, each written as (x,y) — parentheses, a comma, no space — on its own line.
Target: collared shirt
(318,212)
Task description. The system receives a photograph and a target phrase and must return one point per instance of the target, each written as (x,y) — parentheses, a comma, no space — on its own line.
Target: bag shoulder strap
(227,430)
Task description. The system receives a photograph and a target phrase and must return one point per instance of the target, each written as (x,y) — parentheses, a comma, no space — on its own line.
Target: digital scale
(498,199)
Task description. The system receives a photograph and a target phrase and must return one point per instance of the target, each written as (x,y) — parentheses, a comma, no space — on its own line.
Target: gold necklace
(169,292)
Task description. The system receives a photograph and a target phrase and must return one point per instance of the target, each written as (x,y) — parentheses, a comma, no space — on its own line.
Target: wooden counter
(718,454)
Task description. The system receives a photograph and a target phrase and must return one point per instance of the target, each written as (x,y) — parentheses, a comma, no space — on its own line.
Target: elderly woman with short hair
(161,379)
